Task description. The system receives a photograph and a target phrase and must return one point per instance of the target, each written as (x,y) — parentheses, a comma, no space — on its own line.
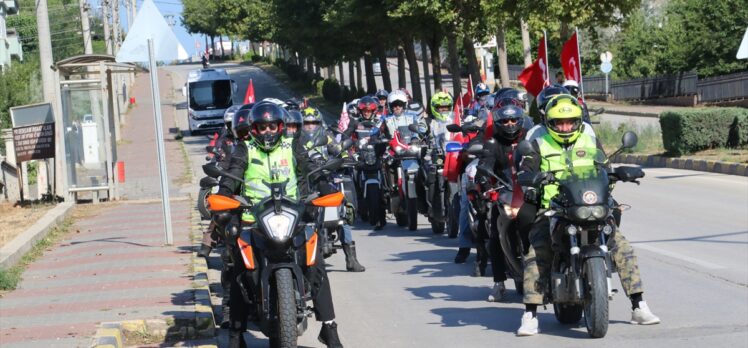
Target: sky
(166,7)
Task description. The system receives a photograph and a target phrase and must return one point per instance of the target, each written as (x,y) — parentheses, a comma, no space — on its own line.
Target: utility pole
(48,87)
(107,32)
(86,27)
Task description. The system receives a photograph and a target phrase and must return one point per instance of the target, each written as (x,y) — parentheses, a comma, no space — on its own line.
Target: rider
(542,100)
(481,98)
(366,109)
(293,122)
(510,125)
(564,133)
(251,160)
(381,95)
(397,101)
(311,129)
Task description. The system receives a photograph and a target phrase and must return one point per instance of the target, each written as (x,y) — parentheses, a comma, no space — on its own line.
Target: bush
(694,130)
(331,90)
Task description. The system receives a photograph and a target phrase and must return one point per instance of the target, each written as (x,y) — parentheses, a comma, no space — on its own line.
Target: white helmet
(397,95)
(276,102)
(572,86)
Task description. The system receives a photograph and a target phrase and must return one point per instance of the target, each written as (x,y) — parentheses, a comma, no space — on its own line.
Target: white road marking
(678,256)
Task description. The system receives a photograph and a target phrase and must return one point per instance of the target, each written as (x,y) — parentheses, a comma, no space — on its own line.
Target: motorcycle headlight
(599,211)
(399,150)
(414,149)
(583,212)
(279,226)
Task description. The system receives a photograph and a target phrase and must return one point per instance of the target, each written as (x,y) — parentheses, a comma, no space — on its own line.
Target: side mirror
(320,141)
(629,140)
(184,91)
(470,128)
(211,170)
(233,86)
(475,150)
(524,148)
(346,144)
(453,128)
(413,128)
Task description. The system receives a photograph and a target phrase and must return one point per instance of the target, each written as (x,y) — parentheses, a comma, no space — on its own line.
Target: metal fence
(725,87)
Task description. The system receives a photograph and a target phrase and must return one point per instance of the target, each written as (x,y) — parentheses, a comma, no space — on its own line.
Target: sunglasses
(267,126)
(509,120)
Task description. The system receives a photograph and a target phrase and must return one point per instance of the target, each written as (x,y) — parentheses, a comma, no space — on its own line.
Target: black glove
(542,178)
(531,195)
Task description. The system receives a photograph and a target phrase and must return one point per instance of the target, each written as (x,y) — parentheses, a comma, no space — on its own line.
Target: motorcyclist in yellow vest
(269,156)
(312,127)
(566,136)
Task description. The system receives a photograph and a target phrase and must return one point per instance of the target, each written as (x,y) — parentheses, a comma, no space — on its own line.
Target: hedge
(694,130)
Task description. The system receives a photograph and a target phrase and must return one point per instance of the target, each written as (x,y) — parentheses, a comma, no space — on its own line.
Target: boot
(204,251)
(462,255)
(351,262)
(329,335)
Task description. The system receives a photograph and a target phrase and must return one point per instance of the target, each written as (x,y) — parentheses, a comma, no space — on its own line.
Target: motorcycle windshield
(440,134)
(584,185)
(405,134)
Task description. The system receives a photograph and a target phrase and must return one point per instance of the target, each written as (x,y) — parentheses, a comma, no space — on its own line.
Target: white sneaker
(497,292)
(529,325)
(643,315)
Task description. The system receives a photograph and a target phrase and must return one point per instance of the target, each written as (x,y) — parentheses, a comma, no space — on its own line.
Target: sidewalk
(113,264)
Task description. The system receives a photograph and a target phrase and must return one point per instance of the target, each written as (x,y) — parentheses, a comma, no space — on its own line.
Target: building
(10,46)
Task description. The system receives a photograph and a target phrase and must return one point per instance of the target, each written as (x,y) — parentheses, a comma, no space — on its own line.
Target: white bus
(209,93)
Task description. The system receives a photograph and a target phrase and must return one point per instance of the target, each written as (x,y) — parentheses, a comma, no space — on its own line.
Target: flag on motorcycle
(467,98)
(249,97)
(570,59)
(344,119)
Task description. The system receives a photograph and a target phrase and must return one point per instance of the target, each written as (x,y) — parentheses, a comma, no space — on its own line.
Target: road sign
(606,67)
(606,57)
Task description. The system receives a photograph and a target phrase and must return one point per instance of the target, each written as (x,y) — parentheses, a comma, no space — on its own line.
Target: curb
(684,163)
(12,252)
(205,322)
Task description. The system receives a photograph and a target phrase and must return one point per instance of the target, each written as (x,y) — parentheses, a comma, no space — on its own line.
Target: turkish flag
(344,119)
(570,59)
(249,97)
(467,98)
(535,76)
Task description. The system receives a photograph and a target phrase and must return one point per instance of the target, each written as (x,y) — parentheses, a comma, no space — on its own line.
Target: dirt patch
(722,155)
(16,219)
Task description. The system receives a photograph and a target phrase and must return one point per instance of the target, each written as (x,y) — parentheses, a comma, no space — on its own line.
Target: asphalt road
(689,229)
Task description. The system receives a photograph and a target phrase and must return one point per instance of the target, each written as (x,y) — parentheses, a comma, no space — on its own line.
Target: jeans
(347,237)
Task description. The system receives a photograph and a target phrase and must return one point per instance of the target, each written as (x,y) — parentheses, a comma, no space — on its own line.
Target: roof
(207,75)
(75,62)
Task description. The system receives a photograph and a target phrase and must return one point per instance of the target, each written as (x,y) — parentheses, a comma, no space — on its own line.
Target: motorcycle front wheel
(374,202)
(202,204)
(412,214)
(286,307)
(596,297)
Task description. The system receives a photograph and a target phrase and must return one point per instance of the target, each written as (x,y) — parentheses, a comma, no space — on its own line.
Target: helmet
(275,101)
(264,113)
(509,96)
(292,104)
(228,115)
(501,91)
(397,96)
(292,117)
(481,89)
(240,123)
(547,93)
(367,103)
(572,86)
(311,114)
(382,94)
(441,99)
(563,107)
(352,109)
(407,93)
(508,121)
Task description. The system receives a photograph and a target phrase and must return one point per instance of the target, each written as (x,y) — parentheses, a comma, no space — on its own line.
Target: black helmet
(292,104)
(292,117)
(508,121)
(228,115)
(547,94)
(267,115)
(382,94)
(509,96)
(352,109)
(367,104)
(240,123)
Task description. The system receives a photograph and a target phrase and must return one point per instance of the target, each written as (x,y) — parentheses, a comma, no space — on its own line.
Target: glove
(542,178)
(531,195)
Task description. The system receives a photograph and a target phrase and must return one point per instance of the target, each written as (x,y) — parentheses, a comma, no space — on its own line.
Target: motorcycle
(335,217)
(368,176)
(438,191)
(581,223)
(405,153)
(273,252)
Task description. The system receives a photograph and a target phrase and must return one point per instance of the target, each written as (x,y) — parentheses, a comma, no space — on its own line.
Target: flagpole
(547,66)
(579,55)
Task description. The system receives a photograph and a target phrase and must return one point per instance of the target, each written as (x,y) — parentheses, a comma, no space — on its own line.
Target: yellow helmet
(563,107)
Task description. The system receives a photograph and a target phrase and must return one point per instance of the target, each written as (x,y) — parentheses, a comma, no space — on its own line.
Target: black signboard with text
(34,142)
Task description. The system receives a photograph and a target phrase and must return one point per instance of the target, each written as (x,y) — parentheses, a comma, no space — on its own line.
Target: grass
(9,278)
(650,138)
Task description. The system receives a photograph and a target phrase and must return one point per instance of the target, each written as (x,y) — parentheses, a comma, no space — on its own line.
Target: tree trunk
(436,62)
(502,57)
(341,71)
(371,84)
(309,65)
(426,78)
(220,43)
(384,64)
(415,76)
(400,67)
(359,77)
(352,76)
(473,69)
(213,47)
(454,64)
(525,42)
(317,69)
